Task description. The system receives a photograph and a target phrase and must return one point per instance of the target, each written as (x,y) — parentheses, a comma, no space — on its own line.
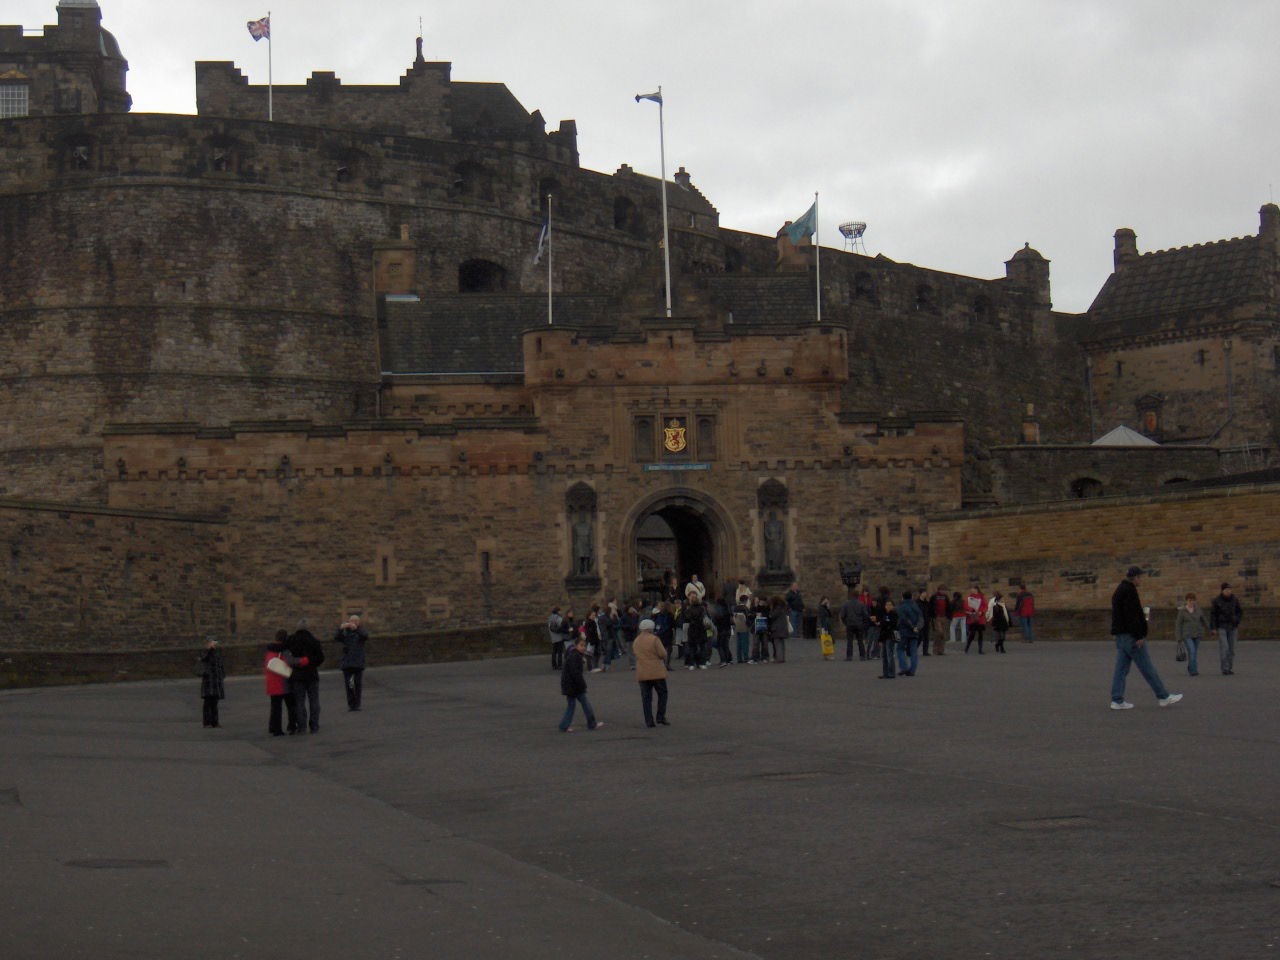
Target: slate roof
(1174,289)
(486,111)
(472,332)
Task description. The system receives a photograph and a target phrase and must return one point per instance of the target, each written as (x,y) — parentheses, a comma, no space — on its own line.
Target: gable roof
(1175,289)
(1122,436)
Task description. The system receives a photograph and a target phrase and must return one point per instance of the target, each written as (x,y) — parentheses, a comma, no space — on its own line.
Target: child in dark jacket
(573,684)
(212,674)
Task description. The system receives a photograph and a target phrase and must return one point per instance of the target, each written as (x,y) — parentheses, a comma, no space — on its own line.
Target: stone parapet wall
(93,578)
(26,668)
(1032,473)
(1072,555)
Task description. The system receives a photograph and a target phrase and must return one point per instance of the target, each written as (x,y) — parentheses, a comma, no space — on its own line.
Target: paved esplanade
(989,807)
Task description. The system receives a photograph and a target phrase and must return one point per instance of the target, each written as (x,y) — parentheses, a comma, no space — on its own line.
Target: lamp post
(850,572)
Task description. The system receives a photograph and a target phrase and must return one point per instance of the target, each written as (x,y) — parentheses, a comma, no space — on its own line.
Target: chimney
(1126,247)
(419,58)
(1269,226)
(682,177)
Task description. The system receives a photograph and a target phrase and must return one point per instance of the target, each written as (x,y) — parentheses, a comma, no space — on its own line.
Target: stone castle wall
(1044,472)
(1072,555)
(93,578)
(1209,385)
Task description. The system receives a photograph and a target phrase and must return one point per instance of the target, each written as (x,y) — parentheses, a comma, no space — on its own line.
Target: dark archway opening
(481,276)
(675,540)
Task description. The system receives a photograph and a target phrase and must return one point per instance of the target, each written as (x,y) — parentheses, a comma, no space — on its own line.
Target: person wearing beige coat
(651,672)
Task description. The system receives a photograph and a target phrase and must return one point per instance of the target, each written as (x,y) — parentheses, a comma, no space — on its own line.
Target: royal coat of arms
(675,436)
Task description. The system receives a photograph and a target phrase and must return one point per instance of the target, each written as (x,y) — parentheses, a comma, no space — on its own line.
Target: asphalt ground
(989,806)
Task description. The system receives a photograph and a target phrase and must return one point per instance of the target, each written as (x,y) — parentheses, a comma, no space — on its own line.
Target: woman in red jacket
(278,686)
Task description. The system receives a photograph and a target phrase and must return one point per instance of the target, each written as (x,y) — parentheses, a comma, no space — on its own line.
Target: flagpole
(666,235)
(817,252)
(270,110)
(549,255)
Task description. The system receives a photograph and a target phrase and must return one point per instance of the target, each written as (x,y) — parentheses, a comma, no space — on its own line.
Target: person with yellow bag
(824,629)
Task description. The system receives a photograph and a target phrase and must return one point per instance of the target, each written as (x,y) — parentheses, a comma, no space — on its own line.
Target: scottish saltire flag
(802,229)
(542,241)
(260,28)
(655,97)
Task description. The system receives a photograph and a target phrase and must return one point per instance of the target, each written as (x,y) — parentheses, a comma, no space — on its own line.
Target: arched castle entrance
(681,530)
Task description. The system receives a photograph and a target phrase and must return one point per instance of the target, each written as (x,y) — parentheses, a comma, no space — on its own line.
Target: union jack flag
(260,28)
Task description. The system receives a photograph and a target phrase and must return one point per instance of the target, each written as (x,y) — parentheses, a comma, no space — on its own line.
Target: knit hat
(1134,572)
(1224,586)
(646,625)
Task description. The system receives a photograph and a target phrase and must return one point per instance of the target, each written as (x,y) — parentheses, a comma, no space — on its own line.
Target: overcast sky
(957,129)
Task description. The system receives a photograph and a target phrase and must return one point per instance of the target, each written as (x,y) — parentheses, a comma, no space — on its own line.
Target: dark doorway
(674,539)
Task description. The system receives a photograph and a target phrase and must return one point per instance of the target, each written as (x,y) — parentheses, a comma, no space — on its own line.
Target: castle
(254,369)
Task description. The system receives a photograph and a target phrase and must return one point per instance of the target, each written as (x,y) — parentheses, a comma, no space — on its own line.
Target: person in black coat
(1129,628)
(573,684)
(212,673)
(305,681)
(353,638)
(1224,618)
(695,648)
(856,621)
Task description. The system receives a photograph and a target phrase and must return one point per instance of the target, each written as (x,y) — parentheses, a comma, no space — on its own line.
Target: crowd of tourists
(686,628)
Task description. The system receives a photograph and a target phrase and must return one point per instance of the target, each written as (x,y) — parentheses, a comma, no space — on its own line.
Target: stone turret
(1029,270)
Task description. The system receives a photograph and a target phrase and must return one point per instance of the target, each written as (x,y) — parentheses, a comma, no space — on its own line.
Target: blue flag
(542,240)
(655,97)
(802,229)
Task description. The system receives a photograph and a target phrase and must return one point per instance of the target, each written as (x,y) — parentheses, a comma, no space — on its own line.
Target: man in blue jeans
(1129,628)
(1224,617)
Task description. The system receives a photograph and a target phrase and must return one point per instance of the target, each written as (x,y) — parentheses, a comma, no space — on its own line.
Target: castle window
(924,298)
(343,174)
(222,160)
(481,276)
(982,309)
(732,260)
(1085,488)
(1119,369)
(706,438)
(624,214)
(79,153)
(864,286)
(643,430)
(1201,357)
(471,180)
(14,100)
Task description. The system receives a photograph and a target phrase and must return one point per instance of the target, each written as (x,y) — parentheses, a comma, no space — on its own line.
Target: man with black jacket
(306,676)
(1224,617)
(856,620)
(1129,628)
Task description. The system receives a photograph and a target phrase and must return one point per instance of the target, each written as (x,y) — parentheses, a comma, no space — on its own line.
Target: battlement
(677,352)
(425,103)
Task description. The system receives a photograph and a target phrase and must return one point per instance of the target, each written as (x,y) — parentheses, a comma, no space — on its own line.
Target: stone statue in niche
(775,543)
(583,545)
(580,507)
